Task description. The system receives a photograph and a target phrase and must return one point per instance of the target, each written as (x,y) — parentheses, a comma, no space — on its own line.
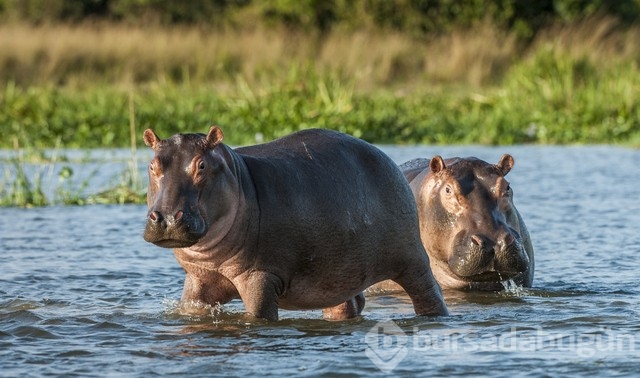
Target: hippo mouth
(494,271)
(172,243)
(164,240)
(475,264)
(491,276)
(178,234)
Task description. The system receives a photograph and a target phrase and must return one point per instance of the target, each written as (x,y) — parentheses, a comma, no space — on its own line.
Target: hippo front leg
(212,290)
(347,310)
(424,291)
(259,292)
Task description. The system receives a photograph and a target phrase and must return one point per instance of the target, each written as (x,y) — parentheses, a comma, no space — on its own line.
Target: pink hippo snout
(177,229)
(477,257)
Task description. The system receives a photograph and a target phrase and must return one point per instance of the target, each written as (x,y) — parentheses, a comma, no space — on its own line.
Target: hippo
(307,221)
(473,233)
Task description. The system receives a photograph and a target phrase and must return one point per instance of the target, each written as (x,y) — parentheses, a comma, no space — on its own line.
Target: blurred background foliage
(78,73)
(95,73)
(418,17)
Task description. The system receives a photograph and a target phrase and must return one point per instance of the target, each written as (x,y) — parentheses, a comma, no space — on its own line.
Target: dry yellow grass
(597,38)
(75,55)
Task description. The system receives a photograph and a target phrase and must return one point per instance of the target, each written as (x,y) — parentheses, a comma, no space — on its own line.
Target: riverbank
(83,86)
(99,86)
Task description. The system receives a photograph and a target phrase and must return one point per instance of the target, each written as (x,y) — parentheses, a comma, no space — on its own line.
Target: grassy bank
(72,86)
(548,98)
(85,86)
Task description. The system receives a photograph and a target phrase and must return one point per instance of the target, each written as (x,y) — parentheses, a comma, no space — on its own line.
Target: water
(81,294)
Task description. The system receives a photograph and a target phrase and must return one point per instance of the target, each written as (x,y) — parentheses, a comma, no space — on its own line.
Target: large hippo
(307,221)
(469,226)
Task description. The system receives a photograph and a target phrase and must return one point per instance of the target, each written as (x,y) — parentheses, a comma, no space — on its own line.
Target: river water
(81,293)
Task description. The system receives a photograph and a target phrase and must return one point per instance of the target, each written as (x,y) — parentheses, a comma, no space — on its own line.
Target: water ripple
(81,294)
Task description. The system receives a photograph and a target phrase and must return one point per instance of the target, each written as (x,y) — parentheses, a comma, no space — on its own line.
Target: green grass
(551,95)
(19,188)
(549,98)
(25,182)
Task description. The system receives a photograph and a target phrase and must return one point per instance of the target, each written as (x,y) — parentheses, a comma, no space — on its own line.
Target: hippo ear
(151,139)
(505,164)
(214,137)
(437,164)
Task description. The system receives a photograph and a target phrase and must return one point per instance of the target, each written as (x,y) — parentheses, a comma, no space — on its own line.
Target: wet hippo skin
(473,233)
(307,221)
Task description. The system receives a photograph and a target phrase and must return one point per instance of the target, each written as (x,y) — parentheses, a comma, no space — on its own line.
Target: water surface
(81,294)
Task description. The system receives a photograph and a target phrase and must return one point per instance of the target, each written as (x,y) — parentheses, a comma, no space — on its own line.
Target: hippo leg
(259,292)
(347,310)
(419,283)
(220,290)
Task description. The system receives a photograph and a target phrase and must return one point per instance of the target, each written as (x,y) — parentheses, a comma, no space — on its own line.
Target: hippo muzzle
(177,229)
(480,258)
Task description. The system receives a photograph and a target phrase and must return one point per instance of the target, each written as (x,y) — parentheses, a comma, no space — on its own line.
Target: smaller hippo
(469,225)
(308,221)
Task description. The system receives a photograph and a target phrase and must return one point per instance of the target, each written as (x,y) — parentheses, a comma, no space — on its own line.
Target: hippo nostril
(508,240)
(477,240)
(178,215)
(155,217)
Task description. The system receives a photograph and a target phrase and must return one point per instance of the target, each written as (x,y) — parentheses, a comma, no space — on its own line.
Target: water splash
(512,288)
(192,309)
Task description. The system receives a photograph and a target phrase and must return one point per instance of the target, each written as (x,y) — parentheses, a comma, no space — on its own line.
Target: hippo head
(472,226)
(190,187)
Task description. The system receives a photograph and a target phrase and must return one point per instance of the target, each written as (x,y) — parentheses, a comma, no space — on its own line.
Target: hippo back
(330,182)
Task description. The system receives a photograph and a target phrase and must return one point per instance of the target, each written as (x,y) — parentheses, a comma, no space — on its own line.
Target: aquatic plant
(19,189)
(27,169)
